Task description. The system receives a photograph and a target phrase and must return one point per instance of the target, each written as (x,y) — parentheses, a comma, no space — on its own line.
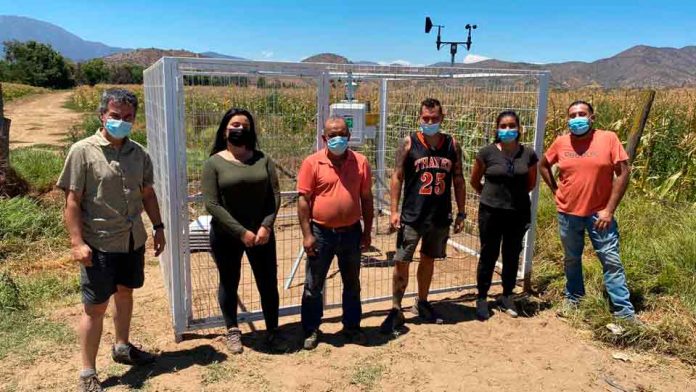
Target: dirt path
(539,353)
(40,119)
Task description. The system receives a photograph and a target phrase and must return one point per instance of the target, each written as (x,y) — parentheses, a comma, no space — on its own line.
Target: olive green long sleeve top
(241,196)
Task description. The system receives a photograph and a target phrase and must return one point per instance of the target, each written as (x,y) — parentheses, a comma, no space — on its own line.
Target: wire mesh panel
(289,102)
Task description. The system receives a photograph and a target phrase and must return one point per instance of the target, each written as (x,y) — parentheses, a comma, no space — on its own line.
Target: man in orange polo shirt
(335,187)
(593,176)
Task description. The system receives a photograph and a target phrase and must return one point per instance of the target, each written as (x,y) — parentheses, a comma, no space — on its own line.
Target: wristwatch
(461,215)
(157,227)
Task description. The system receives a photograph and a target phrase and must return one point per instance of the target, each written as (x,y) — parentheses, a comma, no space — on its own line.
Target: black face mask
(239,137)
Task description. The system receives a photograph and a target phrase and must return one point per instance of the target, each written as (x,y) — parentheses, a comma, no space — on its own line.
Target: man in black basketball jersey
(428,163)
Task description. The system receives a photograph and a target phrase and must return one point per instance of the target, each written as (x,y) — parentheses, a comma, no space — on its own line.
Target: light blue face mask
(117,128)
(430,129)
(507,135)
(337,144)
(579,125)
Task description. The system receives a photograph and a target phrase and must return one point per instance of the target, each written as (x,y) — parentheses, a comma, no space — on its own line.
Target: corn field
(664,167)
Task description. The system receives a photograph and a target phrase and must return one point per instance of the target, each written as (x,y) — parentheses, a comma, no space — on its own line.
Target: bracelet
(158,226)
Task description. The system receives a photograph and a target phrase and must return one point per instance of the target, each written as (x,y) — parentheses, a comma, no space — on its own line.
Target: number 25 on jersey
(428,187)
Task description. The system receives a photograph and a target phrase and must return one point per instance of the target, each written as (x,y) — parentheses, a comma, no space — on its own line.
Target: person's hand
(604,218)
(82,253)
(365,240)
(249,239)
(458,224)
(262,236)
(309,243)
(394,222)
(159,241)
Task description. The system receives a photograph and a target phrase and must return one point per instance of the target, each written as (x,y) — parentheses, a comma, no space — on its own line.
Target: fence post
(638,126)
(4,141)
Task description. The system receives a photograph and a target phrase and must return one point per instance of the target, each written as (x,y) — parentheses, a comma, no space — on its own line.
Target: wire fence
(289,106)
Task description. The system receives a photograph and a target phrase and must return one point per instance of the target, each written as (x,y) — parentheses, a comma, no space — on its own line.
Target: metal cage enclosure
(185,99)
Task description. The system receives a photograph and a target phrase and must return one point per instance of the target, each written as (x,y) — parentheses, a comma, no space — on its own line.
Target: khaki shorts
(434,242)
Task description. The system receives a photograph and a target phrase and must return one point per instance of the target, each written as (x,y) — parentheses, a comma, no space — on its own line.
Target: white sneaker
(508,305)
(482,310)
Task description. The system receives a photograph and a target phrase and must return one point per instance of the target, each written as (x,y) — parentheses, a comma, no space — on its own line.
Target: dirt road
(40,119)
(538,353)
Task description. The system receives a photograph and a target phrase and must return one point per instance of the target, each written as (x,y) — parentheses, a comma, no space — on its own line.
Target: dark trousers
(345,246)
(498,225)
(227,254)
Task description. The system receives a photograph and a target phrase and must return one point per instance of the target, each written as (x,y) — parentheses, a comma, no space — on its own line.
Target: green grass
(38,166)
(28,220)
(367,374)
(29,227)
(29,335)
(658,250)
(26,331)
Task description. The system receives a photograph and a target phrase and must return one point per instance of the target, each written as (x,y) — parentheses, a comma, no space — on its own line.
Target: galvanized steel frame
(165,77)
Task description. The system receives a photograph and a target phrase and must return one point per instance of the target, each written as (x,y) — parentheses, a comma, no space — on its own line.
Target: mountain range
(639,66)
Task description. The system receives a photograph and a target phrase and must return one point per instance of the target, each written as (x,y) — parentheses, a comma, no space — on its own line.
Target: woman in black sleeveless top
(510,171)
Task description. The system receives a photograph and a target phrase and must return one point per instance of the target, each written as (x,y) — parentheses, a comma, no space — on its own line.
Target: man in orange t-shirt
(335,187)
(593,176)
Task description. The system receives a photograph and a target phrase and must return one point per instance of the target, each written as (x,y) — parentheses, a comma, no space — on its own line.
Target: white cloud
(403,63)
(474,58)
(267,54)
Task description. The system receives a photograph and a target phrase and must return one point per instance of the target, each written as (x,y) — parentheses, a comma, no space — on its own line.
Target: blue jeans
(606,244)
(345,245)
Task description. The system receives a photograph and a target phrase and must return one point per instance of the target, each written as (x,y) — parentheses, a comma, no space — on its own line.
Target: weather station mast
(454,44)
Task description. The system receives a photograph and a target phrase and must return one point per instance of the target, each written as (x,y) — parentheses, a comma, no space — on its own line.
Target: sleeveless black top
(428,182)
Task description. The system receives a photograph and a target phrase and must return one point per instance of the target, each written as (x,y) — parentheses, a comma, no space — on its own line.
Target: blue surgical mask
(430,129)
(118,129)
(507,135)
(337,144)
(579,125)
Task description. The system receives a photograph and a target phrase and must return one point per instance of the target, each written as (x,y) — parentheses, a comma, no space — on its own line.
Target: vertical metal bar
(172,139)
(182,158)
(381,142)
(322,107)
(540,121)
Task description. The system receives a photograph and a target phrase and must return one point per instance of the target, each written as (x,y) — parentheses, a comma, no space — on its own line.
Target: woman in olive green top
(240,190)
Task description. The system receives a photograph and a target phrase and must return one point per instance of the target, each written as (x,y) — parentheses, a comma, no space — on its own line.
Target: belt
(341,229)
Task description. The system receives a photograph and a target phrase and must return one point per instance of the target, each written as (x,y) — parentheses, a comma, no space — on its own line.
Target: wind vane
(453,45)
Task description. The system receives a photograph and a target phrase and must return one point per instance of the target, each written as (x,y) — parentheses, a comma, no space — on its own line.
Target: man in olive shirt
(108,179)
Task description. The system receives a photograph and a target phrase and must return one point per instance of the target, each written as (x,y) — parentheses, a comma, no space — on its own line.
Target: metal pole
(381,141)
(540,120)
(295,265)
(322,108)
(173,126)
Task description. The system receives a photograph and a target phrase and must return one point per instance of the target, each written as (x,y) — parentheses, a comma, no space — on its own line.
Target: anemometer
(454,44)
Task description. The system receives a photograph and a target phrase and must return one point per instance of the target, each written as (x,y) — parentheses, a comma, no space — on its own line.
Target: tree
(93,72)
(126,74)
(37,64)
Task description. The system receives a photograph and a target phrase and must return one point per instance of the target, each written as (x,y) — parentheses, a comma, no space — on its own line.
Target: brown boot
(233,340)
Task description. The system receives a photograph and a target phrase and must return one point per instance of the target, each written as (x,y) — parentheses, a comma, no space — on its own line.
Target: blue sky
(385,31)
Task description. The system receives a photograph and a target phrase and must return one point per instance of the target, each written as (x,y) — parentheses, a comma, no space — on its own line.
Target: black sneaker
(275,342)
(89,384)
(394,321)
(131,355)
(311,340)
(355,335)
(425,311)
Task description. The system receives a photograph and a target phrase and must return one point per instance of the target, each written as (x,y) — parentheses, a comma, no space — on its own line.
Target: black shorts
(109,269)
(433,242)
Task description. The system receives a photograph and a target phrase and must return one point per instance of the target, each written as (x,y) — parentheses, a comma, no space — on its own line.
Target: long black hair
(221,135)
(503,114)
